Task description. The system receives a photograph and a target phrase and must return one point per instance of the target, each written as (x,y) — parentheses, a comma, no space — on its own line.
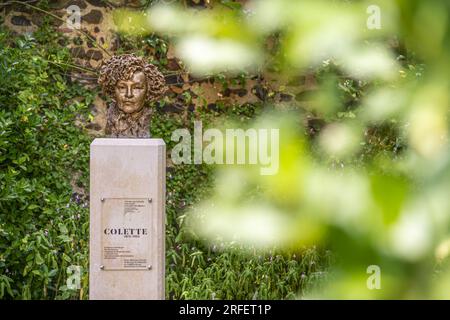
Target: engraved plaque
(126,233)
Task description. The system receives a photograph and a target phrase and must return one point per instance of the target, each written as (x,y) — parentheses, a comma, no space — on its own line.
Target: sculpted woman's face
(130,94)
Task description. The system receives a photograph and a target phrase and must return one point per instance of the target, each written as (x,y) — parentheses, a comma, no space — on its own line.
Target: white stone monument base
(127,217)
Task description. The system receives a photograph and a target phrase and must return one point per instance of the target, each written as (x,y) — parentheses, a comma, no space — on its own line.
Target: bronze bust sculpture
(130,82)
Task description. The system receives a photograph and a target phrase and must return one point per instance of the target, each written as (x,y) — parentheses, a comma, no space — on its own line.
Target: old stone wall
(97,39)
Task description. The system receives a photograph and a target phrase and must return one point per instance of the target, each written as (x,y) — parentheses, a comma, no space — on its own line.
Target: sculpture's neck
(135,116)
(134,125)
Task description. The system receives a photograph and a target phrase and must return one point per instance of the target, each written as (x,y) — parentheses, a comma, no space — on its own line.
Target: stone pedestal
(127,217)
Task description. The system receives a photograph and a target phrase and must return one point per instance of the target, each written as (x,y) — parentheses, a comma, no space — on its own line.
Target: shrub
(43,227)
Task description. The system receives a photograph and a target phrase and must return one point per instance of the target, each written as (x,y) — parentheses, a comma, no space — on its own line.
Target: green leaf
(67,258)
(33,206)
(63,228)
(39,259)
(37,272)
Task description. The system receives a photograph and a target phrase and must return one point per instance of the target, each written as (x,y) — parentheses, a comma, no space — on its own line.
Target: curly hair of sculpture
(130,81)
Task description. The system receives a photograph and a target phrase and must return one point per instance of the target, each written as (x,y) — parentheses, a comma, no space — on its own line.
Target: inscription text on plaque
(126,236)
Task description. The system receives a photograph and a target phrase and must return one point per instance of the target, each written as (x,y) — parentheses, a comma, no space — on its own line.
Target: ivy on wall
(43,156)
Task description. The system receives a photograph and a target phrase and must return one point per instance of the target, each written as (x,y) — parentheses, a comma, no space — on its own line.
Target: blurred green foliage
(372,181)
